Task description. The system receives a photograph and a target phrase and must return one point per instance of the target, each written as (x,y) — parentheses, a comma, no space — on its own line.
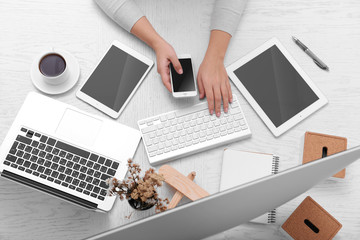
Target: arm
(128,15)
(212,78)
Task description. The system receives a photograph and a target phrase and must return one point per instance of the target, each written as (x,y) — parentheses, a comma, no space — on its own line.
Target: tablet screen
(115,78)
(276,85)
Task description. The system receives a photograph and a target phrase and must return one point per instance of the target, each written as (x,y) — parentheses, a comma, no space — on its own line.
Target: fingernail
(181,71)
(211,112)
(231,100)
(226,110)
(218,114)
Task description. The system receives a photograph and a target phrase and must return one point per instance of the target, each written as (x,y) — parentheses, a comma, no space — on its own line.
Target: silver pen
(317,60)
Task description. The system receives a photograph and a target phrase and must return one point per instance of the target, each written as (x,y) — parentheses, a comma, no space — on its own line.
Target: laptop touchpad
(79,128)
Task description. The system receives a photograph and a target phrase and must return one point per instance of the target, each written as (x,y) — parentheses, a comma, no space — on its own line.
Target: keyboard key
(49,156)
(55,151)
(86,192)
(48,149)
(56,159)
(111,172)
(94,157)
(61,176)
(77,166)
(62,154)
(72,187)
(96,190)
(27,156)
(101,160)
(47,163)
(55,174)
(28,171)
(93,195)
(11,158)
(62,161)
(72,149)
(96,181)
(47,171)
(76,159)
(42,154)
(79,190)
(68,171)
(69,164)
(30,134)
(54,166)
(23,129)
(43,176)
(97,174)
(28,149)
(101,198)
(42,146)
(82,161)
(103,185)
(41,169)
(89,164)
(33,166)
(115,165)
(51,141)
(83,169)
(21,168)
(75,174)
(108,163)
(7,163)
(103,192)
(61,169)
(36,174)
(34,158)
(82,176)
(82,184)
(64,184)
(57,181)
(68,179)
(37,134)
(35,151)
(19,153)
(89,187)
(90,172)
(97,166)
(103,169)
(69,156)
(43,139)
(89,179)
(20,161)
(76,182)
(50,179)
(22,139)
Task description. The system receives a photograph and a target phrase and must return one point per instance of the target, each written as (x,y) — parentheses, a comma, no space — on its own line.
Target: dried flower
(137,188)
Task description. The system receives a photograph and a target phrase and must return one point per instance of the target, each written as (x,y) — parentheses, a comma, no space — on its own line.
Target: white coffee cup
(53,67)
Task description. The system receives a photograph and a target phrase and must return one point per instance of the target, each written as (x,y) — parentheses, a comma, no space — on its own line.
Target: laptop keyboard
(51,159)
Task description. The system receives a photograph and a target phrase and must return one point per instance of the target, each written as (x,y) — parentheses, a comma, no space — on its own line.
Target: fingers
(217,98)
(210,99)
(229,90)
(165,77)
(175,61)
(225,97)
(201,87)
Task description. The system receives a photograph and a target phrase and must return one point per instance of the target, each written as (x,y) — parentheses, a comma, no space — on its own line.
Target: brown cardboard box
(315,144)
(310,221)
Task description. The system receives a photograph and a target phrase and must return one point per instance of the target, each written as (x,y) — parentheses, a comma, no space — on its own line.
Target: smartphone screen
(183,82)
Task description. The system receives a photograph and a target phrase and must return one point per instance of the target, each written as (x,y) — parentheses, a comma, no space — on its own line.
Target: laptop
(235,206)
(65,152)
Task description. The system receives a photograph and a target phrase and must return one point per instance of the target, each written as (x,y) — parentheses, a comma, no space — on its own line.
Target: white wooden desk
(330,28)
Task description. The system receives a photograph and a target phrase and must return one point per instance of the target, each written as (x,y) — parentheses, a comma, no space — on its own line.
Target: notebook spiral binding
(275,170)
(275,165)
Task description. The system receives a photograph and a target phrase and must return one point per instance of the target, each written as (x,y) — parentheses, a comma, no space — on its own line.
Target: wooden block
(178,195)
(182,183)
(316,143)
(311,221)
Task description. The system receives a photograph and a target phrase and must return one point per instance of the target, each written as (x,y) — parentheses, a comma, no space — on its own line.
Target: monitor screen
(276,85)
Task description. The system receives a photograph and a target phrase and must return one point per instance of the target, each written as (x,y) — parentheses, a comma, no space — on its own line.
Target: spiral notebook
(241,167)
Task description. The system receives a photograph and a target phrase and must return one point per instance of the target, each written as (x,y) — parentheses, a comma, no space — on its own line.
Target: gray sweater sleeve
(226,15)
(124,12)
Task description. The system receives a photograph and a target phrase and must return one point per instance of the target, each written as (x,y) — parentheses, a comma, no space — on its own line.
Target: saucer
(74,73)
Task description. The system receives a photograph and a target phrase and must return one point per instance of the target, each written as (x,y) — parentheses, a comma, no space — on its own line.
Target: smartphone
(183,85)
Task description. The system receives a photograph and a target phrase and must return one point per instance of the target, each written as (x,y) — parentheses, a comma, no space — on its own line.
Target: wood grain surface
(330,28)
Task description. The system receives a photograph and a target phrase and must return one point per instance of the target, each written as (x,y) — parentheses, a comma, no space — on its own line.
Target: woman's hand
(213,82)
(165,54)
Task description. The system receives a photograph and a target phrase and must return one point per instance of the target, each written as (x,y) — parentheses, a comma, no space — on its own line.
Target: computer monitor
(235,206)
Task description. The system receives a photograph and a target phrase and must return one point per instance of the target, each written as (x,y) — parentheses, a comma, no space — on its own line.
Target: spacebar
(72,149)
(191,110)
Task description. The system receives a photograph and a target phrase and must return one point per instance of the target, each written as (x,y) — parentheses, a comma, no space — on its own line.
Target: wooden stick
(182,183)
(178,195)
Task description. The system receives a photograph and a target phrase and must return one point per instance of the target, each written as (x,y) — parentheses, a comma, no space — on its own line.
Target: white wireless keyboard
(183,132)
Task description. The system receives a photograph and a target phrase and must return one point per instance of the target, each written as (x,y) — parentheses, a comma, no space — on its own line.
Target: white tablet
(276,87)
(115,79)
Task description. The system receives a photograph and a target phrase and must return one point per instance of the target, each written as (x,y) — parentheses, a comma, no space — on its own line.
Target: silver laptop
(235,206)
(65,152)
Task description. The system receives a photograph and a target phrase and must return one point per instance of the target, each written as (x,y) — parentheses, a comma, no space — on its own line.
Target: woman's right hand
(165,54)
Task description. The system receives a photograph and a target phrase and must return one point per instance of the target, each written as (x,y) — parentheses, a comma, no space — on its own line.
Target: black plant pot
(140,205)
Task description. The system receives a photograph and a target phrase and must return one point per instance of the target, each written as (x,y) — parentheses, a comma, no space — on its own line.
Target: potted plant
(139,191)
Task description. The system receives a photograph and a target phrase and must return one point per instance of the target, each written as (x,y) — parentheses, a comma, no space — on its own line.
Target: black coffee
(52,65)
